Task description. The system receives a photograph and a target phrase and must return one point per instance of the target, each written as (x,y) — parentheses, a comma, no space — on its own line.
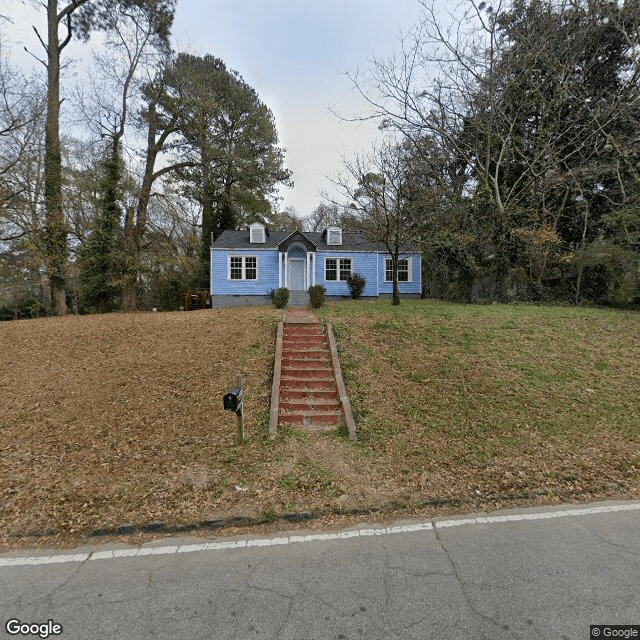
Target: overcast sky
(295,54)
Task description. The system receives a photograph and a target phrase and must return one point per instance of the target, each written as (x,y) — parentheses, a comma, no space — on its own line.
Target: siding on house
(363,263)
(267,273)
(370,265)
(366,258)
(415,286)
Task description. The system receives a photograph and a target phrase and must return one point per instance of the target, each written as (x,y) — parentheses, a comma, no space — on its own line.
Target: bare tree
(285,220)
(525,96)
(374,187)
(160,129)
(81,160)
(326,215)
(78,17)
(135,48)
(21,111)
(21,178)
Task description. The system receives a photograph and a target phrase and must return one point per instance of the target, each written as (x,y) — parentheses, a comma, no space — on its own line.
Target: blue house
(246,264)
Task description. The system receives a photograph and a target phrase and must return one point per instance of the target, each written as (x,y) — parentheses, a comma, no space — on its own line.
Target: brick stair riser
(299,367)
(309,384)
(296,325)
(295,385)
(303,347)
(303,328)
(312,384)
(293,406)
(300,418)
(316,428)
(302,334)
(304,363)
(307,374)
(314,342)
(304,353)
(289,394)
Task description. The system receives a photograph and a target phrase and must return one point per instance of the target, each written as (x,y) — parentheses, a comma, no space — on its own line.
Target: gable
(299,237)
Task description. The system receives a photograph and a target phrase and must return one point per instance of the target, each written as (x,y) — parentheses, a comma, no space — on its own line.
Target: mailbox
(233,399)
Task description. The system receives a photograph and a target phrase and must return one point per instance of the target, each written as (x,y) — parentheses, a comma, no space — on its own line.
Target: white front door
(296,274)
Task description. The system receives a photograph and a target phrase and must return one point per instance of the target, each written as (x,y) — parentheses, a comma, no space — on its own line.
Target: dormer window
(257,233)
(334,236)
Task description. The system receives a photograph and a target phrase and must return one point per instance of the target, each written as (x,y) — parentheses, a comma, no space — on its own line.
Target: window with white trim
(243,268)
(337,269)
(404,270)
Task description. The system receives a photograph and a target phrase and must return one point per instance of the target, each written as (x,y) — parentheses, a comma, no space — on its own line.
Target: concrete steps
(308,392)
(298,298)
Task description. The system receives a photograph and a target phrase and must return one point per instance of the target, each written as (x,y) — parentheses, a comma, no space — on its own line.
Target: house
(247,264)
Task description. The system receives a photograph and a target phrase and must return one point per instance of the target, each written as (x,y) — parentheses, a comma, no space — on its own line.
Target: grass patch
(118,418)
(310,477)
(515,388)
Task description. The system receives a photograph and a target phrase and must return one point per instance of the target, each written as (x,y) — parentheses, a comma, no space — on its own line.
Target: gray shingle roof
(350,241)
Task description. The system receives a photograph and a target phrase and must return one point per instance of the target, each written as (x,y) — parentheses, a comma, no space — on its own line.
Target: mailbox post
(233,401)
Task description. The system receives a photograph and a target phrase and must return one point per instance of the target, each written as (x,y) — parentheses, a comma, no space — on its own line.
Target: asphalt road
(509,577)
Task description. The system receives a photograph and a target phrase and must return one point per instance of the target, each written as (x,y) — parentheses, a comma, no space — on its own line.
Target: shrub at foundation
(317,295)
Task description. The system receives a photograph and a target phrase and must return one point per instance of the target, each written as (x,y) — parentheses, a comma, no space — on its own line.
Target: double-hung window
(404,270)
(243,268)
(337,269)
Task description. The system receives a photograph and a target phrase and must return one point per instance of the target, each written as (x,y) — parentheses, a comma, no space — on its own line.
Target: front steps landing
(298,299)
(308,391)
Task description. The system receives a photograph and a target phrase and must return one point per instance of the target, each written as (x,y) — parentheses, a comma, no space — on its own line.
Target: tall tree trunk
(102,252)
(395,300)
(134,231)
(556,219)
(582,246)
(208,214)
(55,243)
(130,267)
(500,237)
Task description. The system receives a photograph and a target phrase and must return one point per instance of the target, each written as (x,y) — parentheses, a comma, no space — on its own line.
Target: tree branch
(42,42)
(68,38)
(70,8)
(174,167)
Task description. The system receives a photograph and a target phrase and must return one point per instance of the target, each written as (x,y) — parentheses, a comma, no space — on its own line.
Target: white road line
(16,562)
(313,537)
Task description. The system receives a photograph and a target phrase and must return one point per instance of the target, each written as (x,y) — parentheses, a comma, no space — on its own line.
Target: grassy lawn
(106,420)
(457,400)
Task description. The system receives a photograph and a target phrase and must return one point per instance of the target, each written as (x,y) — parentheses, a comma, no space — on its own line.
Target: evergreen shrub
(279,297)
(317,295)
(356,283)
